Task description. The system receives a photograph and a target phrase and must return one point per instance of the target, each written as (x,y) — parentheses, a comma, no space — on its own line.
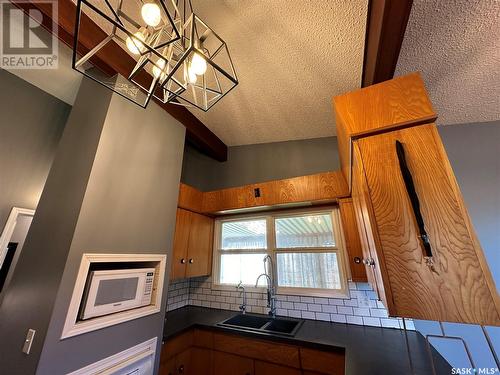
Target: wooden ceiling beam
(116,60)
(385,30)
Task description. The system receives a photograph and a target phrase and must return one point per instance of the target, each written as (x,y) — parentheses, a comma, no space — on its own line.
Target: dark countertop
(368,350)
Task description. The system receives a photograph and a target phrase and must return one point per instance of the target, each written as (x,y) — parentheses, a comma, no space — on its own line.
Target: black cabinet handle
(415,203)
(181,369)
(183,261)
(191,261)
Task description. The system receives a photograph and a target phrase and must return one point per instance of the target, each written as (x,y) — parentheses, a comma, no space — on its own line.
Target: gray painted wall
(260,162)
(129,207)
(30,297)
(30,129)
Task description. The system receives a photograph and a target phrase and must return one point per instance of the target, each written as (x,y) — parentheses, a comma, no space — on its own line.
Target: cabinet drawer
(267,351)
(322,362)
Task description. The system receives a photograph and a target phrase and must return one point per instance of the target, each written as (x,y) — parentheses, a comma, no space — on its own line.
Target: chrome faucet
(243,306)
(271,286)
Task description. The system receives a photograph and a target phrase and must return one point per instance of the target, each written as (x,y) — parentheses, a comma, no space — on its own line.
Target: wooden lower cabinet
(203,352)
(265,368)
(231,364)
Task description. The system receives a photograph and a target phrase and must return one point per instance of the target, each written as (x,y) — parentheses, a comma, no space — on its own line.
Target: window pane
(304,231)
(308,270)
(248,234)
(242,267)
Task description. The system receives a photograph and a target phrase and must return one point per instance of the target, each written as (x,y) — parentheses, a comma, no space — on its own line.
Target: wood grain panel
(230,364)
(200,246)
(352,239)
(181,241)
(203,338)
(177,345)
(380,281)
(266,351)
(327,187)
(264,368)
(460,288)
(201,362)
(323,362)
(400,102)
(190,198)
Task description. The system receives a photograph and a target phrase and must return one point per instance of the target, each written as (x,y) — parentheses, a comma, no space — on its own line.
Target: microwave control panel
(148,288)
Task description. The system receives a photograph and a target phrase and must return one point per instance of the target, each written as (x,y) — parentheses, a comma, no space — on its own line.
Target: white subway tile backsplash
(338,318)
(323,316)
(344,310)
(308,315)
(380,313)
(371,321)
(361,311)
(329,309)
(300,306)
(362,308)
(351,319)
(313,307)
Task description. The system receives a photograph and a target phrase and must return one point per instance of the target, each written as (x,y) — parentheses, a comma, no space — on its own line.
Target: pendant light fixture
(199,71)
(171,54)
(137,28)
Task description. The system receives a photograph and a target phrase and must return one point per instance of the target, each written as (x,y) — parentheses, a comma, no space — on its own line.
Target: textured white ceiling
(456,46)
(291,58)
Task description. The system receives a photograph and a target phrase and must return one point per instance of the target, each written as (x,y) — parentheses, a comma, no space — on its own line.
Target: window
(306,248)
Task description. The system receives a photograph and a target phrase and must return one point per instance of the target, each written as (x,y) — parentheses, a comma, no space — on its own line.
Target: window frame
(273,251)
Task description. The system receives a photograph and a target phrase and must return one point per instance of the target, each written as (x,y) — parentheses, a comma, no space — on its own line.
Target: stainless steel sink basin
(262,324)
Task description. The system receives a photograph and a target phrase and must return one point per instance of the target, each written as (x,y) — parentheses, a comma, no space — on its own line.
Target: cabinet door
(181,241)
(352,240)
(453,284)
(200,246)
(265,368)
(167,367)
(201,361)
(373,259)
(230,364)
(183,363)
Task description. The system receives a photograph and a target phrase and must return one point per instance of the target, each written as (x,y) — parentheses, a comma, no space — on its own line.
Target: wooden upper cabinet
(352,240)
(393,104)
(452,282)
(181,241)
(321,187)
(200,246)
(192,253)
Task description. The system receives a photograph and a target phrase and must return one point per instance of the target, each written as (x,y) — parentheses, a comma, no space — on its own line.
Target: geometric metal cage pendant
(135,32)
(198,70)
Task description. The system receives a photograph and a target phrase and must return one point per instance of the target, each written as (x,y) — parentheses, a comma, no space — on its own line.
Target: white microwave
(111,291)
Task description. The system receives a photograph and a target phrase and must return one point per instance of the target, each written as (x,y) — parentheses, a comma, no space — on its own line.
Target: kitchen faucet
(243,306)
(271,286)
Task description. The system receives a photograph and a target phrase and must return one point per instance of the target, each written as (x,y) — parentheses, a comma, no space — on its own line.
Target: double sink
(262,324)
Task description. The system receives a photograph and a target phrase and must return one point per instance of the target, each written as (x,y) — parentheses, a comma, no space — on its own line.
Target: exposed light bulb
(198,64)
(158,69)
(151,14)
(191,76)
(134,44)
